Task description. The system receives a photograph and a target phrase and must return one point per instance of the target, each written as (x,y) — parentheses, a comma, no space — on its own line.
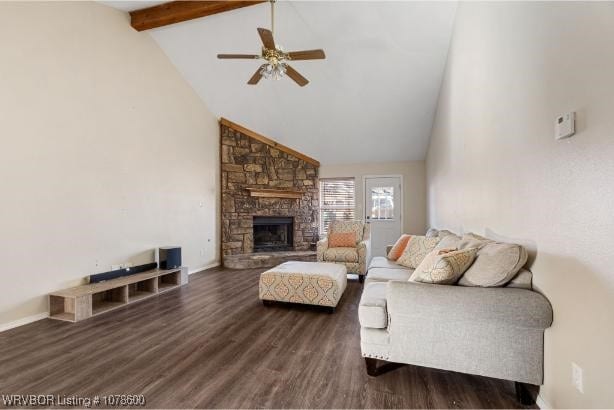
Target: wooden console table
(81,302)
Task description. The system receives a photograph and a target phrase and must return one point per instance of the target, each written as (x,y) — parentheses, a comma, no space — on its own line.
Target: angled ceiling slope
(372,100)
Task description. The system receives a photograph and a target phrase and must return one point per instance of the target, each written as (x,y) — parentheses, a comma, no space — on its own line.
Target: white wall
(494,167)
(414,187)
(107,153)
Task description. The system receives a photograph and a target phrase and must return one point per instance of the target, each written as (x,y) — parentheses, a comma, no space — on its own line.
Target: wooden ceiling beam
(178,11)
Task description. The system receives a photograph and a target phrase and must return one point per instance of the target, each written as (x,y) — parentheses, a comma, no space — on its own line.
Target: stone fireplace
(270,194)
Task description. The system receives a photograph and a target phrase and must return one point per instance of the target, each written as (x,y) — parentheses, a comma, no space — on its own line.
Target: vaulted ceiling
(372,100)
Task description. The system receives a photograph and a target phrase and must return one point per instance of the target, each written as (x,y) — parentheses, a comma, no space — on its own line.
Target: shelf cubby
(168,281)
(142,290)
(109,299)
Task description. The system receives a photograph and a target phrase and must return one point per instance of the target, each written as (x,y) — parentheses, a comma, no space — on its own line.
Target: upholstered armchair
(355,258)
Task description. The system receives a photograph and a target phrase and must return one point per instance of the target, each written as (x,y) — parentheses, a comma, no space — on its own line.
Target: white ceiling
(372,100)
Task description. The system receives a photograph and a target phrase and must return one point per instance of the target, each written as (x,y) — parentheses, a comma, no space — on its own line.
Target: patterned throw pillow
(399,247)
(416,250)
(444,266)
(342,240)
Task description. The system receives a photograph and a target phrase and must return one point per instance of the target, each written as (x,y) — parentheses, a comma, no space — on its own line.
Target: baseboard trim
(542,404)
(23,321)
(202,268)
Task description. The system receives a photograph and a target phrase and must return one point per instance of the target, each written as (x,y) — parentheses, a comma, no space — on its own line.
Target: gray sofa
(496,332)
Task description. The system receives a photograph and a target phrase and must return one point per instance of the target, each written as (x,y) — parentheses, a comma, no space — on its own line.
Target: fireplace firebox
(273,233)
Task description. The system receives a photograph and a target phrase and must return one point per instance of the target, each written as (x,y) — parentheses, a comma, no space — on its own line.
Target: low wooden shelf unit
(81,302)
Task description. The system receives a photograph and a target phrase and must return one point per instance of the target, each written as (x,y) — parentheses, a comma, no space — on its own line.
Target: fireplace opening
(273,233)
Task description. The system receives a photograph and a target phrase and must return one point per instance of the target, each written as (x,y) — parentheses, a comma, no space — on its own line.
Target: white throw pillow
(495,265)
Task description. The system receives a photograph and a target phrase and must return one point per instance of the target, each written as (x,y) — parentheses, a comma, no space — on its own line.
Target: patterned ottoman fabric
(310,283)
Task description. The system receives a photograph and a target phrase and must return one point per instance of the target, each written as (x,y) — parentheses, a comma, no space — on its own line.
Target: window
(336,201)
(382,203)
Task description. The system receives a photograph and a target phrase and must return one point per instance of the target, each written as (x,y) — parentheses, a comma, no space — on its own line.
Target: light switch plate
(576,377)
(565,125)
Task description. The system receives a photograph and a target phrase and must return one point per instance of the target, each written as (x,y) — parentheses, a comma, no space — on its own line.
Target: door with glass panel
(383,211)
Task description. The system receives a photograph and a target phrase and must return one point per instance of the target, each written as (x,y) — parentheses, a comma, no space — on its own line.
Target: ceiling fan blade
(293,74)
(267,38)
(247,56)
(307,55)
(257,76)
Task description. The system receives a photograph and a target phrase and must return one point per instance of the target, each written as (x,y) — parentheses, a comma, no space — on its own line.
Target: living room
(187,228)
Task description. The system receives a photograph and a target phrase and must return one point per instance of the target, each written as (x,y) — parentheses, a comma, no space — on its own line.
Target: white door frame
(364,196)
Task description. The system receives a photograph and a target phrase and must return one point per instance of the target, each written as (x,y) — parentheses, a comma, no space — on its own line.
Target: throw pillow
(398,247)
(416,250)
(444,266)
(495,265)
(432,233)
(342,240)
(471,240)
(448,241)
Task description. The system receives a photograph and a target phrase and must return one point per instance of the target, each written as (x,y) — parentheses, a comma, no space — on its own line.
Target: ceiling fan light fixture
(274,71)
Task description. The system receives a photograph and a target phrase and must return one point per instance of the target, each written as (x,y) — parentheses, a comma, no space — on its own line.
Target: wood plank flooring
(212,344)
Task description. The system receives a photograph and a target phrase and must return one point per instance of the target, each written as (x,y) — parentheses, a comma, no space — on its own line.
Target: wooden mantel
(268,141)
(274,193)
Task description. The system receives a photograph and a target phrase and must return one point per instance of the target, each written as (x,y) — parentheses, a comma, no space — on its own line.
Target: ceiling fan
(276,65)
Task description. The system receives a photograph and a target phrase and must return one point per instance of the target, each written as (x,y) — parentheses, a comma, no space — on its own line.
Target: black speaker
(101,277)
(170,257)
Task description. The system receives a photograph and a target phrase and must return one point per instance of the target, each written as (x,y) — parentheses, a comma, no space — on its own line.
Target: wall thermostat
(565,126)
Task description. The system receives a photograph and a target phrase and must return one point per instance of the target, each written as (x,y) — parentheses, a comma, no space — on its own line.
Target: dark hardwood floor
(212,344)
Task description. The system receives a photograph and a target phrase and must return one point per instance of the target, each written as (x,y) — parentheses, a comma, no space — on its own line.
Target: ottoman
(309,283)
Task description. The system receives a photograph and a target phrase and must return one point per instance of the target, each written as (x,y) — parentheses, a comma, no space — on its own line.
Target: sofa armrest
(322,246)
(364,255)
(441,303)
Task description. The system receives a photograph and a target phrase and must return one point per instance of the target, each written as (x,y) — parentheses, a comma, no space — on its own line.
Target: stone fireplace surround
(251,162)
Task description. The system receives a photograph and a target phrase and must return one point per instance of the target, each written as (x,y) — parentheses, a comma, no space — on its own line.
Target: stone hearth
(266,259)
(249,160)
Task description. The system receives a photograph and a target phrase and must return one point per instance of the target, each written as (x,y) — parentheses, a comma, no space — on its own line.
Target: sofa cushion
(495,265)
(416,250)
(443,266)
(383,262)
(341,255)
(397,249)
(372,307)
(386,274)
(522,280)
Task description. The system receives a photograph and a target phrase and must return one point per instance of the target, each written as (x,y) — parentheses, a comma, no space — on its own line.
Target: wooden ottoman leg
(267,302)
(361,278)
(523,395)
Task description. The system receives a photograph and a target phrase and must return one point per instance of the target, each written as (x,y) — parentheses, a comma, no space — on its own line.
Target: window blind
(337,201)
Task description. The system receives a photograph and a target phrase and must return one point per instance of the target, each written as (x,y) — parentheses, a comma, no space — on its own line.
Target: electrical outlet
(576,377)
(116,267)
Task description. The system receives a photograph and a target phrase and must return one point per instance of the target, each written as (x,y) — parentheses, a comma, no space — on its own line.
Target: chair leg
(523,395)
(374,370)
(371,366)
